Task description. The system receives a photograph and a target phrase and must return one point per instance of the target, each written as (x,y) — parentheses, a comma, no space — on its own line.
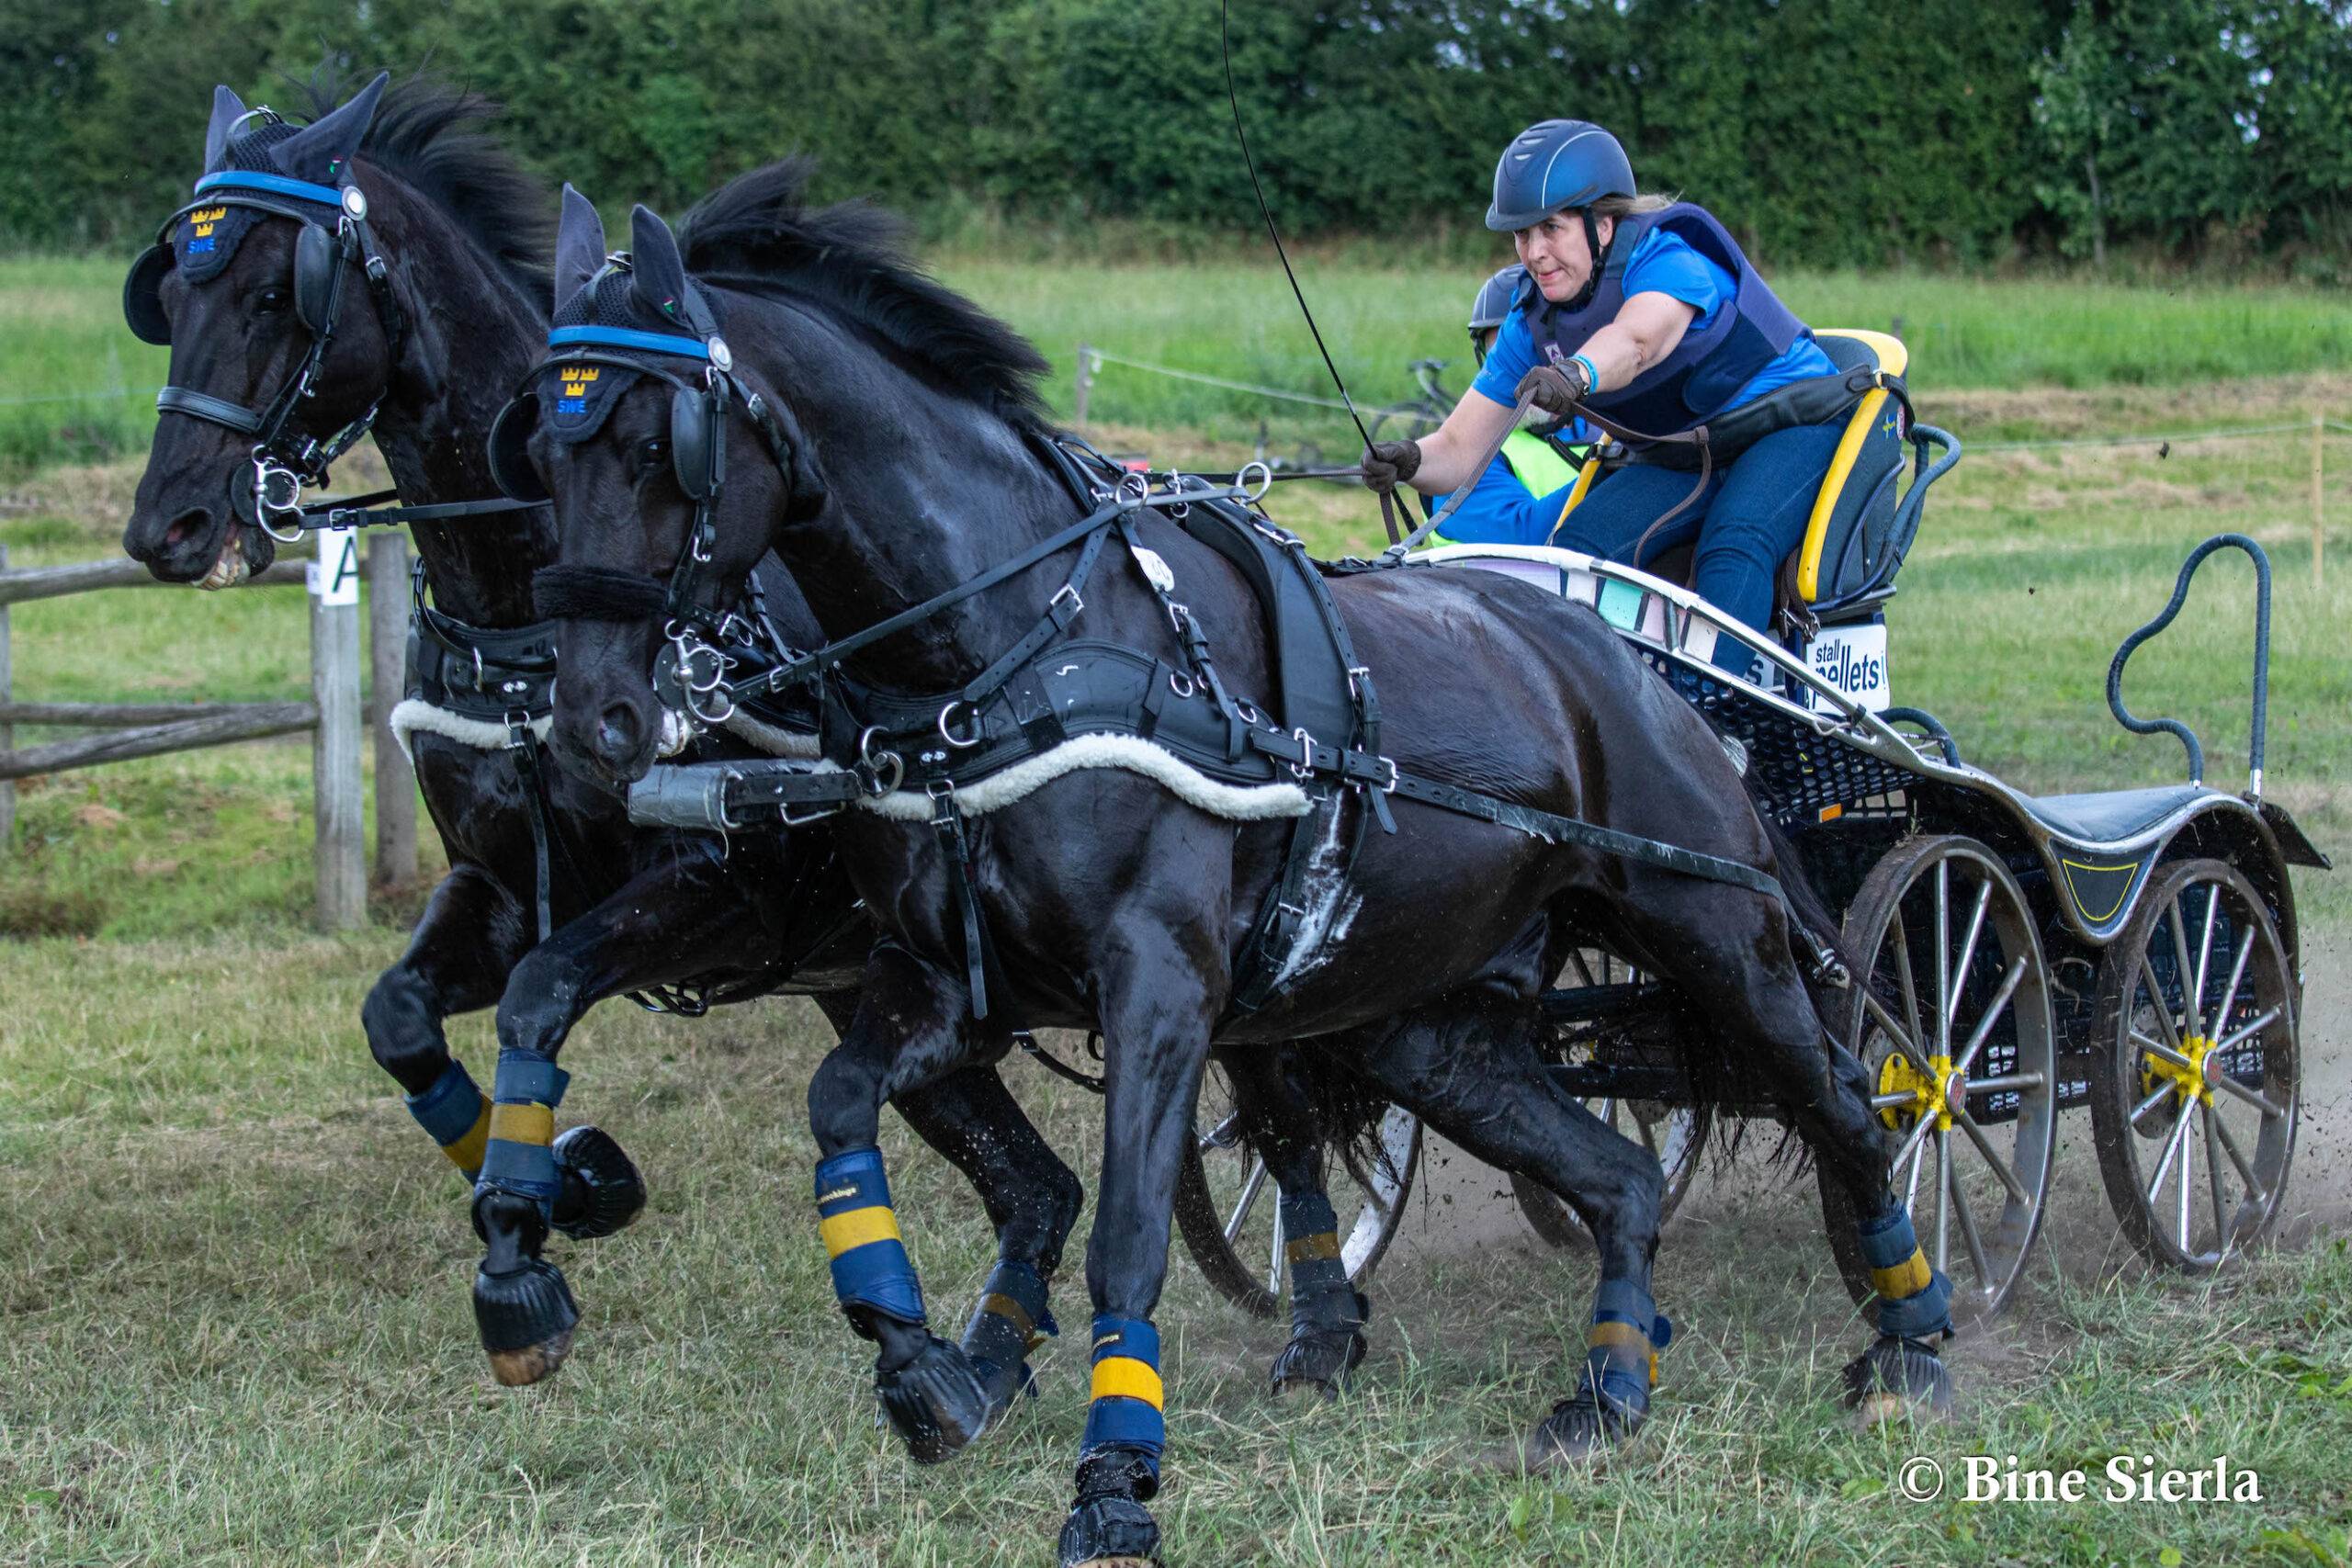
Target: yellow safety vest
(1536,463)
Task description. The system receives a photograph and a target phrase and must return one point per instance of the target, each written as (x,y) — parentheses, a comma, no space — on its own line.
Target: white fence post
(1085,383)
(387,675)
(337,805)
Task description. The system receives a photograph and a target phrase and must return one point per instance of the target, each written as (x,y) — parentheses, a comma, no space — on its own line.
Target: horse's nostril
(187,526)
(617,734)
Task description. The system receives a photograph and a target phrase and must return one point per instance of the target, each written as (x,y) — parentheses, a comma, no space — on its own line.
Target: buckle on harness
(1304,767)
(1067,591)
(871,766)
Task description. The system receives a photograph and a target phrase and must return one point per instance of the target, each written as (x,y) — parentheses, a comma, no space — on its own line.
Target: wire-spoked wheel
(1226,1201)
(1675,1135)
(2195,1096)
(1949,1011)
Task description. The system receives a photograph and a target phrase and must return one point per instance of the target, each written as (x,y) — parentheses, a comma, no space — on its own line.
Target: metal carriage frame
(2134,950)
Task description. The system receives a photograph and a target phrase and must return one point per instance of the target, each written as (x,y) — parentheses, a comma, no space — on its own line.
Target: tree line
(1827,132)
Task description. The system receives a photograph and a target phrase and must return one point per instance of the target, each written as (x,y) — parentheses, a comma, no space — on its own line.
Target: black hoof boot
(1582,1427)
(602,1190)
(1897,1377)
(1108,1526)
(526,1317)
(1318,1359)
(1003,1387)
(523,1309)
(936,1403)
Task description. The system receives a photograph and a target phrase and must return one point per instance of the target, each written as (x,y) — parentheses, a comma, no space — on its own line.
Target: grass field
(233,1324)
(61,323)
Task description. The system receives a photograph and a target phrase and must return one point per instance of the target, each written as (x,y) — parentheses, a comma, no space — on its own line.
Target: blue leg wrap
(455,1115)
(1128,1397)
(1311,1244)
(1621,1362)
(1915,1300)
(518,1158)
(871,1269)
(1011,1319)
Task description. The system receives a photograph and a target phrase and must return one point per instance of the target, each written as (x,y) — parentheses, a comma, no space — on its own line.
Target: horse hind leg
(1469,1067)
(1746,978)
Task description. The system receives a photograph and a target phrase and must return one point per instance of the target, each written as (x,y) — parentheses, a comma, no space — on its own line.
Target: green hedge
(1830,132)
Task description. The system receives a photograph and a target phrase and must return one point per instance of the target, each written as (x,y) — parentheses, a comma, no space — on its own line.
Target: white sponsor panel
(1853,659)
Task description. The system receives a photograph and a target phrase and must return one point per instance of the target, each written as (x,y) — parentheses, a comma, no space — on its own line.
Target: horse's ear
(661,272)
(321,152)
(227,109)
(578,245)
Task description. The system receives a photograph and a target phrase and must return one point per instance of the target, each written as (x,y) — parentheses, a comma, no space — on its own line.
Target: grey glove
(1388,463)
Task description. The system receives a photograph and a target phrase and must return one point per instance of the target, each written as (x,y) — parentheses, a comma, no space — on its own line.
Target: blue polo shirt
(1662,264)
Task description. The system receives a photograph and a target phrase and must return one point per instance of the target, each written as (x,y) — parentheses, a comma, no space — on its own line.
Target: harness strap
(205,406)
(524,747)
(367,511)
(947,821)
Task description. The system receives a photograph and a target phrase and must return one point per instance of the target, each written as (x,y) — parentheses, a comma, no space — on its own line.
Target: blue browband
(623,337)
(249,179)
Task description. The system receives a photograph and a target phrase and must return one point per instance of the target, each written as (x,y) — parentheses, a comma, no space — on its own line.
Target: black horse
(432,347)
(883,437)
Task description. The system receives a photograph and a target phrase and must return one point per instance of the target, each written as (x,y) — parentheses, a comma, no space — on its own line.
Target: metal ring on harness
(871,764)
(1249,715)
(1180,684)
(959,743)
(1265,480)
(1304,767)
(271,481)
(1134,489)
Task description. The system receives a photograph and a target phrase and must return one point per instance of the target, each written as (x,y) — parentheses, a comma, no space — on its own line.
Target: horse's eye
(270,301)
(652,455)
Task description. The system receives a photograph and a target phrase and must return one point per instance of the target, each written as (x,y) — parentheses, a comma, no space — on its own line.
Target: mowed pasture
(234,1322)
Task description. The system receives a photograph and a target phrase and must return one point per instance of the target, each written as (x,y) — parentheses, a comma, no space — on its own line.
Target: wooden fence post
(337,807)
(387,676)
(1085,383)
(7,731)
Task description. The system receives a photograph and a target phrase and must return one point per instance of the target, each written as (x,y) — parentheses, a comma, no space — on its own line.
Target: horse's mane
(758,233)
(421,133)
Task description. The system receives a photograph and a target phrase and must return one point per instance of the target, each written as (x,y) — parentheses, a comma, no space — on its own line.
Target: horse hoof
(1318,1360)
(602,1190)
(936,1403)
(1581,1430)
(1110,1532)
(1897,1380)
(526,1317)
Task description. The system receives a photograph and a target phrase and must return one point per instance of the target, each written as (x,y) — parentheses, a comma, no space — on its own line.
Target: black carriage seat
(1861,525)
(2112,817)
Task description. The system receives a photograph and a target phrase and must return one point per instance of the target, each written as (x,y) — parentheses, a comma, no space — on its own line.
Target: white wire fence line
(1092,360)
(79,397)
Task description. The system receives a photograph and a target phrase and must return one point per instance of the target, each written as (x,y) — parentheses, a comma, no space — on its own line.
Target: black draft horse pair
(430,350)
(885,443)
(424,355)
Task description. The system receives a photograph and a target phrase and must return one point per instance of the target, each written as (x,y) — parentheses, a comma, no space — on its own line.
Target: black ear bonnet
(246,185)
(616,338)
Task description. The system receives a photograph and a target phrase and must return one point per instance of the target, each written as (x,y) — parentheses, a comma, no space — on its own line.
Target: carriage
(2134,950)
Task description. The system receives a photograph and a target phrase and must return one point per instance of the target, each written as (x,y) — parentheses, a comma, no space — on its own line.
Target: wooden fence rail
(333,714)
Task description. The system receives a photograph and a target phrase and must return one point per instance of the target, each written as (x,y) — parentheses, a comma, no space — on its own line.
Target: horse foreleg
(1156,1019)
(458,960)
(911,1028)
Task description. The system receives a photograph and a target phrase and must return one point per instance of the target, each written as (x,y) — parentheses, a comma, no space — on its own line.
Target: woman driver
(1670,328)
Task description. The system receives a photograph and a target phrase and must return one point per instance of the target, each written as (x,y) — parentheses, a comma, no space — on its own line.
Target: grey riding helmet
(1558,164)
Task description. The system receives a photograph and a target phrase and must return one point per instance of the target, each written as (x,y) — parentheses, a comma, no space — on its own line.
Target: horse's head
(629,427)
(261,287)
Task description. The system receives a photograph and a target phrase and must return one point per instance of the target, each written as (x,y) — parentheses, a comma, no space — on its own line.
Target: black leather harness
(1323,736)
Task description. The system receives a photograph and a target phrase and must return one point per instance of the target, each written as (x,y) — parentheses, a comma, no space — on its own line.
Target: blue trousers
(1751,516)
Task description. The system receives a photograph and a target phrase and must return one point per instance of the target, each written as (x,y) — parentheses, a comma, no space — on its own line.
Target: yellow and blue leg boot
(1902,1372)
(1118,1462)
(1010,1321)
(602,1190)
(522,1305)
(1327,1313)
(1612,1399)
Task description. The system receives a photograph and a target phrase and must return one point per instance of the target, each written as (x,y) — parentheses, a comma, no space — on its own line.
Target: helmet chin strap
(1592,248)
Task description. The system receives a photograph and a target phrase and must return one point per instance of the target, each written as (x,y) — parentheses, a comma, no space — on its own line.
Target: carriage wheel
(2202,1068)
(1949,1011)
(1675,1135)
(1226,1202)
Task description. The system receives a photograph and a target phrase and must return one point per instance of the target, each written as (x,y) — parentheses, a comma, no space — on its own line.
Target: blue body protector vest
(1707,367)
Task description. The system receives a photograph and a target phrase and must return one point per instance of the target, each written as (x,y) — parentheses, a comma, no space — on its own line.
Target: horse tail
(1814,932)
(1319,1094)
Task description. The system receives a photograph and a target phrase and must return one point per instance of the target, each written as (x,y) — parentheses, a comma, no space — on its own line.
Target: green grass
(232,1280)
(61,334)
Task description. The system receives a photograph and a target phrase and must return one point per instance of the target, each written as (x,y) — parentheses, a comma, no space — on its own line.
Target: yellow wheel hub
(1938,1093)
(2190,1083)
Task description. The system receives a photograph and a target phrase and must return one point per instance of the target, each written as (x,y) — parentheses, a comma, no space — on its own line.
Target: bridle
(286,458)
(700,405)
